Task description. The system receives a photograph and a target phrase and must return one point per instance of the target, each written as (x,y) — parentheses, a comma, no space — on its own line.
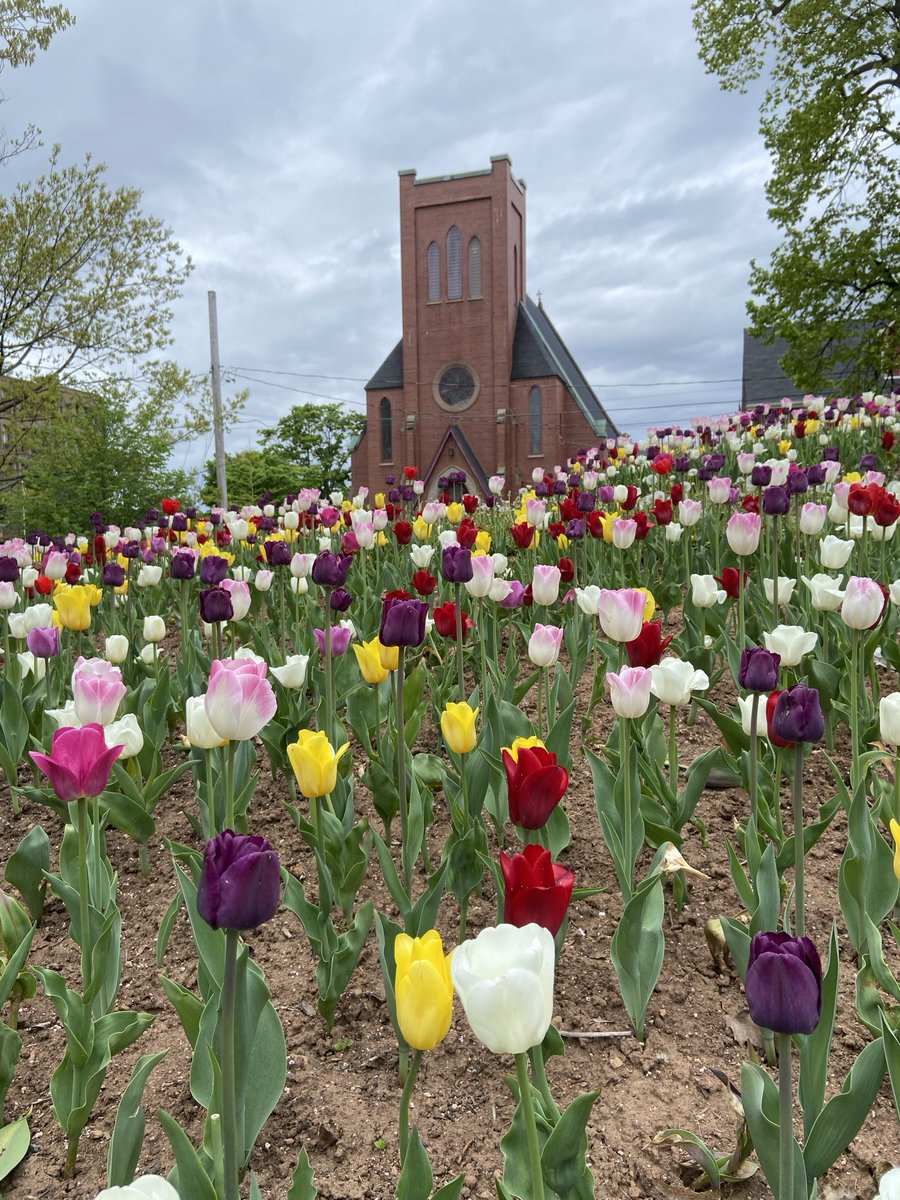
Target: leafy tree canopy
(318,437)
(26,26)
(251,473)
(831,122)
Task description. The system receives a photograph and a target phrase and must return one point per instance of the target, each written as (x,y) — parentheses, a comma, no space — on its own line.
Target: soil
(340,1103)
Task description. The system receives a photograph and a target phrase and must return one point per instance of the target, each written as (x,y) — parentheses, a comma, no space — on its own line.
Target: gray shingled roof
(390,373)
(764,382)
(538,351)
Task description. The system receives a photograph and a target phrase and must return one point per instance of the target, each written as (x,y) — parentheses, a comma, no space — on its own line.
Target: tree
(87,281)
(250,473)
(831,123)
(26,26)
(318,437)
(101,451)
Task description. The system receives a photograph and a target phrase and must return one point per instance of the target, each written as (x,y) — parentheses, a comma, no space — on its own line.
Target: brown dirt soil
(341,1098)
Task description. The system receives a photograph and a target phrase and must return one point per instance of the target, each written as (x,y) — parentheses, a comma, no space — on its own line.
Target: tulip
(154,629)
(825,592)
(292,675)
(536,889)
(183,565)
(423,989)
(148,1187)
(9,597)
(116,648)
(648,647)
(340,640)
(458,726)
(315,763)
(421,556)
(262,581)
(895,834)
(125,733)
(456,564)
(504,978)
(834,553)
(889,1185)
(149,654)
(74,608)
(239,699)
(673,681)
(301,565)
(798,715)
(239,591)
(786,587)
(215,605)
(38,616)
(200,732)
(629,691)
(32,665)
(621,613)
(545,584)
(402,622)
(535,782)
(544,644)
(783,984)
(889,719)
(43,643)
(369,659)
(482,579)
(240,882)
(790,642)
(624,531)
(863,603)
(149,576)
(9,569)
(758,671)
(745,705)
(689,512)
(79,762)
(673,532)
(331,570)
(812,519)
(98,690)
(742,532)
(705,591)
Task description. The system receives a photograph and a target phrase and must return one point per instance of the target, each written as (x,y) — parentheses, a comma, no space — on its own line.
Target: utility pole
(221,481)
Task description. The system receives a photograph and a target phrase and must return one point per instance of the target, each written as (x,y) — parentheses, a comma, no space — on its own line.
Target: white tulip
(834,553)
(38,616)
(148,1187)
(786,587)
(421,556)
(154,629)
(149,654)
(825,592)
(200,732)
(17,628)
(705,591)
(673,681)
(673,532)
(116,649)
(293,674)
(125,733)
(31,665)
(149,575)
(588,599)
(299,587)
(791,642)
(745,704)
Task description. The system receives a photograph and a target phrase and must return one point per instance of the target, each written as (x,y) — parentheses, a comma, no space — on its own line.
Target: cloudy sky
(268,134)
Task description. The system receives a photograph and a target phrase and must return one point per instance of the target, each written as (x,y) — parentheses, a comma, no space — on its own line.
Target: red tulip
(887,509)
(566,570)
(170,506)
(535,785)
(646,650)
(536,889)
(410,472)
(444,616)
(470,503)
(733,581)
(662,464)
(770,713)
(403,532)
(662,511)
(522,534)
(424,582)
(466,534)
(43,586)
(888,438)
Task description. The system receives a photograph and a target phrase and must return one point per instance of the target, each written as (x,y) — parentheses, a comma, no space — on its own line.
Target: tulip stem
(534,1150)
(208,816)
(754,758)
(229,785)
(797,797)
(627,820)
(97,856)
(401,767)
(460,673)
(84,896)
(897,785)
(404,1103)
(329,671)
(854,710)
(786,1122)
(229,1098)
(673,751)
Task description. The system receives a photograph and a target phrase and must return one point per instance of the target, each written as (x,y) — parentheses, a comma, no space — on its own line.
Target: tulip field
(541,844)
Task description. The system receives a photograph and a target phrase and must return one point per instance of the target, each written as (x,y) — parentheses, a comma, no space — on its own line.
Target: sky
(268,136)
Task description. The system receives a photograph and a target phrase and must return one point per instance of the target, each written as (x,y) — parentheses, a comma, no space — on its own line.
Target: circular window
(455,387)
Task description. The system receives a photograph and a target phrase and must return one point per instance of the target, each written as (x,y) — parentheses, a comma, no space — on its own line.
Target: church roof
(454,432)
(390,373)
(764,381)
(538,351)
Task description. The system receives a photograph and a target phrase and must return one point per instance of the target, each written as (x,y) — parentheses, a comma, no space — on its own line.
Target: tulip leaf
(188,1007)
(816,1046)
(416,1177)
(415,828)
(517,1177)
(759,1098)
(842,1117)
(14,965)
(128,1132)
(765,915)
(867,886)
(128,815)
(333,973)
(15,1139)
(386,932)
(26,868)
(698,1150)
(563,1167)
(892,1057)
(10,1049)
(637,949)
(302,1187)
(189,1177)
(811,834)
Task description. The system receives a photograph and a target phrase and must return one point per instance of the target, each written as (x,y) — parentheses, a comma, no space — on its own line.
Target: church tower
(480,381)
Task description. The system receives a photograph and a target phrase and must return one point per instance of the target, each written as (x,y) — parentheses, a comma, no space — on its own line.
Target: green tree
(26,26)
(101,451)
(250,473)
(319,438)
(831,122)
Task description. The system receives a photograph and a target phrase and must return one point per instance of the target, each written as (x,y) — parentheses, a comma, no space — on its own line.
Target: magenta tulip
(79,762)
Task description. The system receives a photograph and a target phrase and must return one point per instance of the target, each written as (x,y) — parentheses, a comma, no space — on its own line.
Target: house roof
(390,373)
(764,381)
(538,351)
(471,458)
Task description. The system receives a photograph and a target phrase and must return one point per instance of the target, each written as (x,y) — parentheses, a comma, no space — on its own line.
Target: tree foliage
(318,437)
(831,122)
(252,473)
(26,26)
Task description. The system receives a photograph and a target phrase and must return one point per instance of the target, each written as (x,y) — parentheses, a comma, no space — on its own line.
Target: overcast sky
(268,134)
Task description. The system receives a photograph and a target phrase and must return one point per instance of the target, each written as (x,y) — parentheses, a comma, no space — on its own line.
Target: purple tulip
(831,454)
(759,670)
(213,569)
(240,882)
(456,565)
(798,483)
(79,762)
(403,622)
(585,502)
(815,475)
(131,550)
(340,600)
(761,475)
(216,605)
(278,554)
(113,575)
(330,570)
(340,640)
(179,522)
(9,569)
(184,565)
(43,643)
(776,501)
(798,715)
(515,596)
(784,983)
(868,462)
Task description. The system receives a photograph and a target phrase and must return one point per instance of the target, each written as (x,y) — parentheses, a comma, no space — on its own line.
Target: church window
(475,268)
(454,264)
(535,421)
(387,430)
(434,272)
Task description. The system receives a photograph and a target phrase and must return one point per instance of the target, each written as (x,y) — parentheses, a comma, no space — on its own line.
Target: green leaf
(416,1177)
(892,1057)
(333,974)
(189,1178)
(26,867)
(759,1097)
(842,1117)
(188,1006)
(128,1132)
(14,1142)
(816,1046)
(564,1169)
(637,949)
(700,1153)
(302,1187)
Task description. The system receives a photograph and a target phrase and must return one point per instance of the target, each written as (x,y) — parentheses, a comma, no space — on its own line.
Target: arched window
(535,422)
(387,431)
(434,272)
(475,268)
(454,264)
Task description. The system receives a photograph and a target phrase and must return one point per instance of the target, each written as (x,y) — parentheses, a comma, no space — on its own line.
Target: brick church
(480,381)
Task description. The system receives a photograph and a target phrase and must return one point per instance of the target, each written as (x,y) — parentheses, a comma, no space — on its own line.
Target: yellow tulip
(93,593)
(483,541)
(370,665)
(421,529)
(315,763)
(122,589)
(608,519)
(895,831)
(382,539)
(210,547)
(389,655)
(458,727)
(423,989)
(852,477)
(521,743)
(379,499)
(784,445)
(455,512)
(649,603)
(74,609)
(563,542)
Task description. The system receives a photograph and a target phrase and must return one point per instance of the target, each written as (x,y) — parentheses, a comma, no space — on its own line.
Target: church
(480,382)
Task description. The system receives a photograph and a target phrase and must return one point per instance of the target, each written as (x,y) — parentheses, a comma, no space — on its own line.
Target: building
(480,381)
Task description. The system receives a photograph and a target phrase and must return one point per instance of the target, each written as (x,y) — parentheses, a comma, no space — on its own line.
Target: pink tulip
(79,762)
(689,512)
(629,691)
(621,613)
(544,644)
(239,700)
(719,489)
(863,603)
(97,689)
(742,532)
(545,584)
(239,591)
